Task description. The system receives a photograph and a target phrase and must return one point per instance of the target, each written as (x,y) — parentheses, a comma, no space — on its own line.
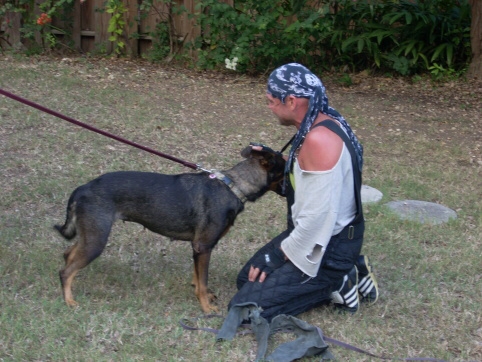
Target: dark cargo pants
(287,290)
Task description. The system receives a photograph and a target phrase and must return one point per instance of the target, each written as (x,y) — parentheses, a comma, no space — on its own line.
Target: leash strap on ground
(187,324)
(96,130)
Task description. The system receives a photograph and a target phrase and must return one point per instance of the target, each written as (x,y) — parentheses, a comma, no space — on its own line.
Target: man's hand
(272,261)
(260,147)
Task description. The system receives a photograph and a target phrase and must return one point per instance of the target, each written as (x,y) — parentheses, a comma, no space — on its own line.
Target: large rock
(422,211)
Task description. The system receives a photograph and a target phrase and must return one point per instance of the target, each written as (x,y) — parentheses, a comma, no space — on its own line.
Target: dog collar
(235,189)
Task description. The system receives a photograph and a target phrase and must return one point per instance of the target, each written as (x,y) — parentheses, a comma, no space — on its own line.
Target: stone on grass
(422,211)
(370,194)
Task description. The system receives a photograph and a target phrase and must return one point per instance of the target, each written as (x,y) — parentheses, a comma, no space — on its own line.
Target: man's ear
(291,102)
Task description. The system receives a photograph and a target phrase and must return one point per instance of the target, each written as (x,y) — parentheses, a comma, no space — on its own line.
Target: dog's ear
(265,152)
(246,152)
(268,158)
(264,156)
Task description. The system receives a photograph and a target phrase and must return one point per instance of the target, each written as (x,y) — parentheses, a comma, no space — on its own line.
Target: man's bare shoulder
(321,150)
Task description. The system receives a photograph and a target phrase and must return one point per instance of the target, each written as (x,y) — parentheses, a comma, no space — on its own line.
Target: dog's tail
(69,229)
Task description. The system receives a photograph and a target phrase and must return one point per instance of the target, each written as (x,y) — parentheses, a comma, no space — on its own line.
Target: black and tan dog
(197,207)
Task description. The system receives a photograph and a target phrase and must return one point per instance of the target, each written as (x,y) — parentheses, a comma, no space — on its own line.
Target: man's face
(280,110)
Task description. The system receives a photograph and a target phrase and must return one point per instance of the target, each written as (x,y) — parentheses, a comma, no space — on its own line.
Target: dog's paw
(71,303)
(212,297)
(206,304)
(211,308)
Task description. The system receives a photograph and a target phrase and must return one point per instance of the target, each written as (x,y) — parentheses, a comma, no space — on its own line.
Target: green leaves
(447,49)
(390,35)
(116,23)
(405,36)
(250,32)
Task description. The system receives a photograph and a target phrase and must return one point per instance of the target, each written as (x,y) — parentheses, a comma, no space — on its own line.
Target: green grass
(133,297)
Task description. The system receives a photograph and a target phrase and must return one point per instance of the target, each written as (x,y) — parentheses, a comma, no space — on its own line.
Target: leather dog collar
(235,189)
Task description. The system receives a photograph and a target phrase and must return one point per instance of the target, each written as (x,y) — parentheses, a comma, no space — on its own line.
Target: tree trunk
(475,68)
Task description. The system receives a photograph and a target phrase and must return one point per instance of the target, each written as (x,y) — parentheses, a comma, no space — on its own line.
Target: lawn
(422,141)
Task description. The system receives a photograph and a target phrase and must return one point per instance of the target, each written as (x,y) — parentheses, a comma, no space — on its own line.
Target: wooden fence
(89,26)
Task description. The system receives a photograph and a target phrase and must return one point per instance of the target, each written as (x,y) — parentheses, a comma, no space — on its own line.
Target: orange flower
(44,19)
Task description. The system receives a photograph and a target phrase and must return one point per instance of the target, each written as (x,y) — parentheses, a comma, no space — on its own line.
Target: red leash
(96,130)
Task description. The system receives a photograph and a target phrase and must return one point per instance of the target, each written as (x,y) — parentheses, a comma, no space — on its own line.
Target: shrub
(33,24)
(403,36)
(252,32)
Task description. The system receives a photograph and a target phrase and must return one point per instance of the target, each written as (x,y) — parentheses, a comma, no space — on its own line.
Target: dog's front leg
(200,281)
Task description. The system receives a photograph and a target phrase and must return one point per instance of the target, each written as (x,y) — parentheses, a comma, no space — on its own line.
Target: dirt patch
(377,107)
(394,104)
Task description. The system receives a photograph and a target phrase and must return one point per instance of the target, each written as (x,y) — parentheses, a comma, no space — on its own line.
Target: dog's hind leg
(68,273)
(90,245)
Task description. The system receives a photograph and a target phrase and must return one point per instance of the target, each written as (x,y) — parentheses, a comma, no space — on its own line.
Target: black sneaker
(367,286)
(346,298)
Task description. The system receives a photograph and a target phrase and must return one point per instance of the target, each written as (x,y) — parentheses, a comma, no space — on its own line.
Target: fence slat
(12,29)
(76,26)
(91,21)
(131,28)
(101,25)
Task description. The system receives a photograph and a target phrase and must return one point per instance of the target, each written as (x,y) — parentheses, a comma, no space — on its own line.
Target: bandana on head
(297,80)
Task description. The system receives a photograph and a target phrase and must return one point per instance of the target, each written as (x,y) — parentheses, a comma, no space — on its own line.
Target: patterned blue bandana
(297,80)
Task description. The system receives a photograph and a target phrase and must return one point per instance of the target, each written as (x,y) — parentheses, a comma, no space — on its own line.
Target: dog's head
(272,161)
